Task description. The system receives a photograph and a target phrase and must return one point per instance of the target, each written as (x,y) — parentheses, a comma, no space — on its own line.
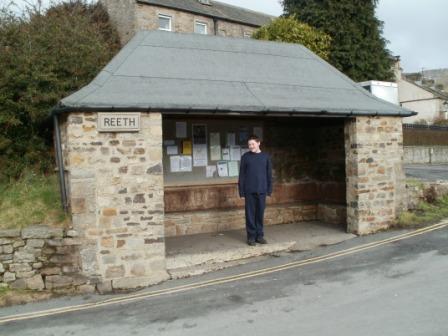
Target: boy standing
(254,183)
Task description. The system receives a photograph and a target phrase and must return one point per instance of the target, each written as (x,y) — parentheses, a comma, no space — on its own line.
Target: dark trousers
(254,210)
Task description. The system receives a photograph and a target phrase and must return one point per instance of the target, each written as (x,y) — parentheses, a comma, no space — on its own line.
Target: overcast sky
(417,29)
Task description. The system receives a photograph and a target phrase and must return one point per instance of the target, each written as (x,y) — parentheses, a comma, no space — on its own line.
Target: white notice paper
(175,163)
(199,155)
(222,168)
(233,168)
(181,129)
(210,171)
(185,163)
(215,153)
(171,150)
(235,153)
(226,154)
(180,163)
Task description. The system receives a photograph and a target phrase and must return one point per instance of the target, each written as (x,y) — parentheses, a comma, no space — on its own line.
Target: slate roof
(216,9)
(436,93)
(165,71)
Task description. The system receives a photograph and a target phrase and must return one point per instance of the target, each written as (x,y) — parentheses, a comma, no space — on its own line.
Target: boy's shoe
(251,242)
(261,241)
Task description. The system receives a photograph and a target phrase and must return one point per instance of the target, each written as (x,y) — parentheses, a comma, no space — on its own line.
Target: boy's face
(253,145)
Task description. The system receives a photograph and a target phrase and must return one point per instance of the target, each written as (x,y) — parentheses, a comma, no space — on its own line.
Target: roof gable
(170,71)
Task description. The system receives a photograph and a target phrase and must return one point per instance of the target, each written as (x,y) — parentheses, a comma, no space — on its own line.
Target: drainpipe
(215,25)
(60,163)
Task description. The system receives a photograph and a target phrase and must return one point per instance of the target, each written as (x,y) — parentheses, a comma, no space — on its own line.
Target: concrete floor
(201,253)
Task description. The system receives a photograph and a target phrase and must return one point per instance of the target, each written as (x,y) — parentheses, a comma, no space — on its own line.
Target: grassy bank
(425,213)
(34,199)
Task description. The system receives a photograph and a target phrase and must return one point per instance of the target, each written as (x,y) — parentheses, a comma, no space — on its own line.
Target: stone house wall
(182,22)
(231,29)
(130,16)
(123,14)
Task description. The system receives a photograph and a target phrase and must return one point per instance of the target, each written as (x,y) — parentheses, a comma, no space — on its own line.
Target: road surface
(396,287)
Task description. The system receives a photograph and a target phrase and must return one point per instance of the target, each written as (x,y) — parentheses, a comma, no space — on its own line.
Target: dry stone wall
(41,257)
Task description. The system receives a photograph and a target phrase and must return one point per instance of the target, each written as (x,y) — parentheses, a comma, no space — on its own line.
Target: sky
(417,30)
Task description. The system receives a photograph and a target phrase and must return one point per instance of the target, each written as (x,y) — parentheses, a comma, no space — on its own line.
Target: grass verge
(33,199)
(425,213)
(11,297)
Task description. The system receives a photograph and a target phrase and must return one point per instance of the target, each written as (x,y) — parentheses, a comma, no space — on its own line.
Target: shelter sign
(118,122)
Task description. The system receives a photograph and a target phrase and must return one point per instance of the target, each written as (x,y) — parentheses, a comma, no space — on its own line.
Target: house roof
(216,9)
(165,71)
(437,94)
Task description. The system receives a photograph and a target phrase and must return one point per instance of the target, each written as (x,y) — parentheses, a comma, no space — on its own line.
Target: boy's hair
(254,137)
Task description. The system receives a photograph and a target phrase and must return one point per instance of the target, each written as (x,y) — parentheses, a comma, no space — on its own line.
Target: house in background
(430,104)
(436,79)
(186,16)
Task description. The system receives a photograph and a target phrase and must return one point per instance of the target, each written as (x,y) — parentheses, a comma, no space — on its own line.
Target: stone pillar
(374,172)
(116,197)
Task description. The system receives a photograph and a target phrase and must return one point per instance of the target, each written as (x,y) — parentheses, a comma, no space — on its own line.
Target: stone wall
(123,15)
(375,176)
(207,221)
(41,257)
(426,154)
(422,191)
(116,198)
(147,17)
(213,221)
(231,29)
(130,16)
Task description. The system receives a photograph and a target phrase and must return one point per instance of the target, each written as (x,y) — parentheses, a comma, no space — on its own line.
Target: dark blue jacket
(255,173)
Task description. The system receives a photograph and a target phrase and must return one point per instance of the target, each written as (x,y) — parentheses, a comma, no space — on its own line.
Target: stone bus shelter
(149,148)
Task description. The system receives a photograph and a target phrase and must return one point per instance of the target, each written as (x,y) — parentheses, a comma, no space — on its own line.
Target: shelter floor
(201,253)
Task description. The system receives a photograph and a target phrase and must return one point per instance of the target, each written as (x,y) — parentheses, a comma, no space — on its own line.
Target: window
(247,34)
(164,22)
(200,27)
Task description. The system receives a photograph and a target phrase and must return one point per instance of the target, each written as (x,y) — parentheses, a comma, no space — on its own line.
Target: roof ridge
(242,8)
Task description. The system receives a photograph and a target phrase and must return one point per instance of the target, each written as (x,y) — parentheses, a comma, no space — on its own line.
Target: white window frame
(247,34)
(170,20)
(201,23)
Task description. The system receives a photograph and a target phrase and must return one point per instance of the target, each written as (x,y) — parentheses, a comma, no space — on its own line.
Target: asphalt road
(399,288)
(427,172)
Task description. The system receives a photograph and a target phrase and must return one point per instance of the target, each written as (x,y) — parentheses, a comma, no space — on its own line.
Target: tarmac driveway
(427,172)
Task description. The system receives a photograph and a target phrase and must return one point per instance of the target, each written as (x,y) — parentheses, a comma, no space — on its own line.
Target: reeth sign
(118,122)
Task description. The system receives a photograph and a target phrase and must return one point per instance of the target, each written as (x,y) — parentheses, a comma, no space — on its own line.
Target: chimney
(398,71)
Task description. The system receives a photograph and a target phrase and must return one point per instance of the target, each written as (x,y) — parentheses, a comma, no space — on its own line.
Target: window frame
(170,20)
(202,23)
